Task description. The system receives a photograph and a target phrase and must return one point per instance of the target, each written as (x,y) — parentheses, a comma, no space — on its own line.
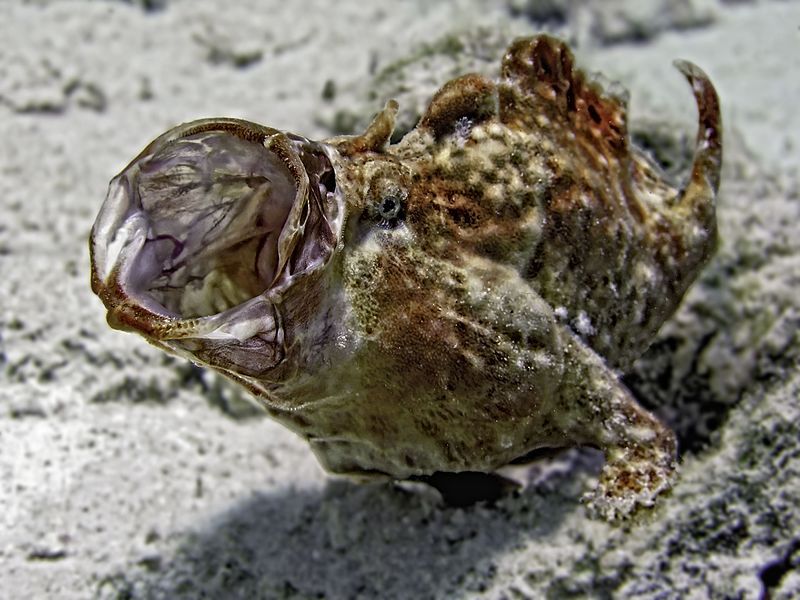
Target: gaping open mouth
(211,216)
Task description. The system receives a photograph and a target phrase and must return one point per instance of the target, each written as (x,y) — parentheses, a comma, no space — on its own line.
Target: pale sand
(118,479)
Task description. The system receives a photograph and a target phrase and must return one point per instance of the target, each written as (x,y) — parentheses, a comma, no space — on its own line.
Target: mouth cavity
(213,216)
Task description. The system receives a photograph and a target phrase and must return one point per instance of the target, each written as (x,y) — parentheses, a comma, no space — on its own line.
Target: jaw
(202,236)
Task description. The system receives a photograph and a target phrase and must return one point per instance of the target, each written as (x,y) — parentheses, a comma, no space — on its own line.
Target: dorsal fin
(540,87)
(375,138)
(471,97)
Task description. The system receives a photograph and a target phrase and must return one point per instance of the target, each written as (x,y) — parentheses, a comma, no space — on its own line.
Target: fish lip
(123,230)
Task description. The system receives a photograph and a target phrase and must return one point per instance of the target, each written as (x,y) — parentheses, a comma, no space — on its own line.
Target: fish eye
(390,210)
(387,196)
(389,207)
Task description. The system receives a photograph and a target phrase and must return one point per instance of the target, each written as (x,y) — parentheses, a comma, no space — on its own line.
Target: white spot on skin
(643,274)
(583,325)
(543,360)
(443,157)
(478,134)
(341,341)
(496,130)
(642,434)
(496,193)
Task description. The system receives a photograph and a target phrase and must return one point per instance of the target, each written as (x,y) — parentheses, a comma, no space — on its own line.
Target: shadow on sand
(363,541)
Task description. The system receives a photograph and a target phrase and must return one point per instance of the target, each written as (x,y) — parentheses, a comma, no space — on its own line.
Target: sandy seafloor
(128,474)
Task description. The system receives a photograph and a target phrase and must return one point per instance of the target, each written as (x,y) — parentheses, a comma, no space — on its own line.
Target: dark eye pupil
(389,207)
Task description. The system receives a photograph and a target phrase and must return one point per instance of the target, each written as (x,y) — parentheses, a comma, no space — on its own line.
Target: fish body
(448,303)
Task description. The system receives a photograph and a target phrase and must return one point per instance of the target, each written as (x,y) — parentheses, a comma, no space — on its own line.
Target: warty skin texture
(448,303)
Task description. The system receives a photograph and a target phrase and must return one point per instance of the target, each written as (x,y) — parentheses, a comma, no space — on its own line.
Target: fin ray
(539,79)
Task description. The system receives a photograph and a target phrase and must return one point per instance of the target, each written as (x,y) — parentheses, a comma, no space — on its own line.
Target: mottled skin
(475,290)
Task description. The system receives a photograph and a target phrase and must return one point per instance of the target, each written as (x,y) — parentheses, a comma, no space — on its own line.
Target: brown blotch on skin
(545,70)
(470,97)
